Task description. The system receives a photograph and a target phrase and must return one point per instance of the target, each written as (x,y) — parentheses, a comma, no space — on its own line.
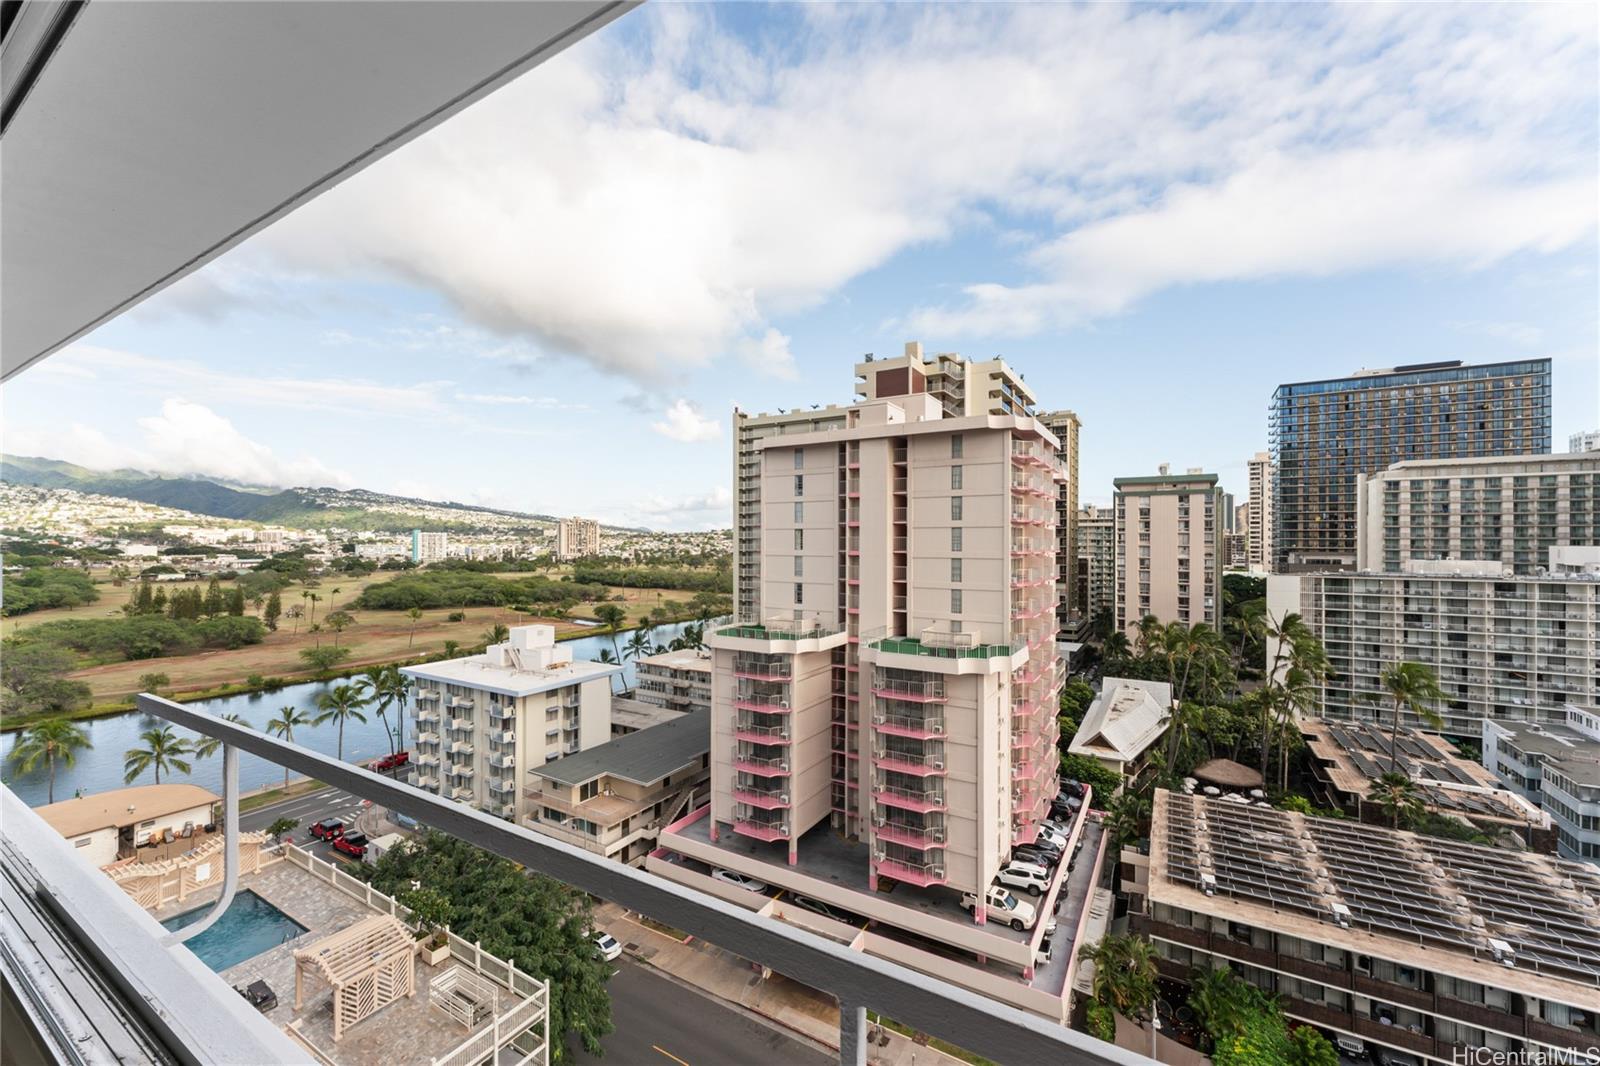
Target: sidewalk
(724,976)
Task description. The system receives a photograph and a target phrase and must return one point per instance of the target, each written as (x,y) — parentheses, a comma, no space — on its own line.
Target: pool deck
(405,1031)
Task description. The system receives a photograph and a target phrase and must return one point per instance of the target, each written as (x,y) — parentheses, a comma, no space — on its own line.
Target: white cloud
(507,399)
(707,510)
(683,423)
(1522,334)
(770,354)
(185,438)
(658,195)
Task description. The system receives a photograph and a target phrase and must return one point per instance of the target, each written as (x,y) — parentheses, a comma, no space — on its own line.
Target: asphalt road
(661,1023)
(308,809)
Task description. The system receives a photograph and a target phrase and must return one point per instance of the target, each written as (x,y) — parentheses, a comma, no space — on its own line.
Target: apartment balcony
(750,764)
(459,773)
(426,695)
(761,828)
(910,834)
(459,702)
(427,739)
(919,764)
(944,647)
(761,734)
(762,703)
(462,794)
(921,874)
(427,716)
(504,810)
(507,738)
(931,690)
(427,760)
(765,799)
(503,762)
(429,782)
(908,799)
(460,747)
(461,725)
(499,712)
(756,670)
(502,786)
(916,727)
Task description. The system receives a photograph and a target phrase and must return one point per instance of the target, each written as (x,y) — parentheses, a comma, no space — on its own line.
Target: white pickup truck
(1002,906)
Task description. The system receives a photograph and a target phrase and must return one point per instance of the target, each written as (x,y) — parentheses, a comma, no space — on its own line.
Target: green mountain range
(301,507)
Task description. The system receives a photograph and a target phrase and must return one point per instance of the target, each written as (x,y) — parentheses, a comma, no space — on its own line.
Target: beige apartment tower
(1258,531)
(1168,554)
(1070,614)
(577,537)
(893,675)
(1097,561)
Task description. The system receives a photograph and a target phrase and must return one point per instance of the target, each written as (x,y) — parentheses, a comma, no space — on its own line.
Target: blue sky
(553,301)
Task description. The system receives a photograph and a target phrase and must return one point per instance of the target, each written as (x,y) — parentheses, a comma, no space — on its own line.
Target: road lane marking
(669,1055)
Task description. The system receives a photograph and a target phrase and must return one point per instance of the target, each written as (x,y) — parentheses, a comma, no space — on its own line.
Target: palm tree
(496,634)
(1412,687)
(163,749)
(1292,677)
(1124,974)
(638,644)
(1397,797)
(604,656)
(289,719)
(612,617)
(54,741)
(312,597)
(415,614)
(1150,634)
(450,648)
(377,686)
(340,704)
(1116,647)
(205,747)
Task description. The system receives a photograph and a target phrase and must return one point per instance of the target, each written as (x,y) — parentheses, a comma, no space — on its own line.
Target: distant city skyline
(553,302)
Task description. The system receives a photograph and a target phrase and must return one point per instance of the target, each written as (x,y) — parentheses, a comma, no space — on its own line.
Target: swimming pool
(248,927)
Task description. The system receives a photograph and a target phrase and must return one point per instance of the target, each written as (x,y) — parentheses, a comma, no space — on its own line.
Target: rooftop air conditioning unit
(878,820)
(879,855)
(938,764)
(1208,884)
(784,704)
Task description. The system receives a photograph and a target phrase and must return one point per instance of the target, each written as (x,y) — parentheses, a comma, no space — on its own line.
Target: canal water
(99,768)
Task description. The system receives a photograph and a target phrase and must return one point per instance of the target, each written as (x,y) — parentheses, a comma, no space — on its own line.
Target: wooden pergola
(369,965)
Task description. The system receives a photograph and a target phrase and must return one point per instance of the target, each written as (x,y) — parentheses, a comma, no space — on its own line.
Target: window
(799,540)
(799,592)
(799,565)
(955,538)
(955,570)
(799,458)
(955,508)
(799,484)
(955,601)
(957,446)
(588,790)
(799,512)
(955,477)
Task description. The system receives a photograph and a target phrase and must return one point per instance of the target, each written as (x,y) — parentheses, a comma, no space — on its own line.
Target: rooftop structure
(1123,722)
(1511,509)
(615,798)
(1416,943)
(1168,555)
(1349,758)
(631,715)
(1324,434)
(1556,766)
(115,824)
(522,703)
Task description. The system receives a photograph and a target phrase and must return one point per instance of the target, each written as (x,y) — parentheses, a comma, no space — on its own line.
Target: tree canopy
(38,588)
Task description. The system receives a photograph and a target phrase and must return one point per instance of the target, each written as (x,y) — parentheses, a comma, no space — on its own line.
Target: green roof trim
(913,646)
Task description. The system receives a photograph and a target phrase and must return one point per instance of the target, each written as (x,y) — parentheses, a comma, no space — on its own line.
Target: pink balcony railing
(899,725)
(920,874)
(761,734)
(767,800)
(921,837)
(762,671)
(761,767)
(761,830)
(910,691)
(763,704)
(907,799)
(908,763)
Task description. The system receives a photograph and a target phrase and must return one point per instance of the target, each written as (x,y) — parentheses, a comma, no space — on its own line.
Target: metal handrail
(995,1030)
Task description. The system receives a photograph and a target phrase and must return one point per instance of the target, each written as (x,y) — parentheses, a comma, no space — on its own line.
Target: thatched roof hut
(1225,773)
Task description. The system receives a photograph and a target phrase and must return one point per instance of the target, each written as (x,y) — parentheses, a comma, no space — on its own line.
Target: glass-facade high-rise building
(1323,434)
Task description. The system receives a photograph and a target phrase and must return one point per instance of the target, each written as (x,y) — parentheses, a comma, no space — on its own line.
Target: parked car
(1389,1057)
(1030,877)
(607,947)
(352,844)
(328,829)
(816,906)
(390,762)
(1351,1049)
(737,880)
(1036,855)
(1002,906)
(1059,839)
(1048,845)
(1041,957)
(1072,787)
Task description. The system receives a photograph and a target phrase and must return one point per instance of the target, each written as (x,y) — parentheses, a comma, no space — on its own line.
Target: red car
(391,762)
(328,829)
(352,844)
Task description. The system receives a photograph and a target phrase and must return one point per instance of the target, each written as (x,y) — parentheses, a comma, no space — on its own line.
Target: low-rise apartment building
(613,799)
(1504,646)
(1168,555)
(482,720)
(678,680)
(1415,944)
(1555,766)
(1511,509)
(1349,757)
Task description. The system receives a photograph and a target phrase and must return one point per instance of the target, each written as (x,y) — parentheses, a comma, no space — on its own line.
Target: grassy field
(377,636)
